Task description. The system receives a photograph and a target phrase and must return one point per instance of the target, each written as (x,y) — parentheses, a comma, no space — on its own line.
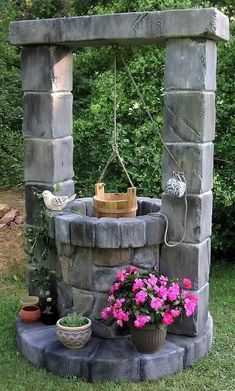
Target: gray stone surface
(111,256)
(187,260)
(198,221)
(195,347)
(196,161)
(104,277)
(64,298)
(109,359)
(107,353)
(83,231)
(46,68)
(155,228)
(167,361)
(31,201)
(194,325)
(133,232)
(190,65)
(47,115)
(89,205)
(189,116)
(146,257)
(79,207)
(64,249)
(108,233)
(83,301)
(63,227)
(48,160)
(128,28)
(81,275)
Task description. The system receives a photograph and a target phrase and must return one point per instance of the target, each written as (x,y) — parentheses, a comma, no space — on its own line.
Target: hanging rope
(115,150)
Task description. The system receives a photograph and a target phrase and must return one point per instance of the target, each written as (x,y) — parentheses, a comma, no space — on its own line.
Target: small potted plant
(74,330)
(148,302)
(30,313)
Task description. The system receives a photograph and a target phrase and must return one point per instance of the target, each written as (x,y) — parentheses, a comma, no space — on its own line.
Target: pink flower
(157,303)
(111,298)
(141,321)
(190,304)
(106,312)
(163,280)
(119,302)
(162,292)
(173,291)
(167,319)
(132,269)
(115,287)
(121,315)
(122,275)
(141,297)
(187,283)
(152,280)
(138,284)
(175,313)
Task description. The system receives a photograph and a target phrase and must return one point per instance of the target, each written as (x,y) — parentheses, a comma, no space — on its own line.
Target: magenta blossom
(122,275)
(162,292)
(175,313)
(163,280)
(167,319)
(141,321)
(138,284)
(190,304)
(132,269)
(115,287)
(106,312)
(187,283)
(141,297)
(173,291)
(152,280)
(156,303)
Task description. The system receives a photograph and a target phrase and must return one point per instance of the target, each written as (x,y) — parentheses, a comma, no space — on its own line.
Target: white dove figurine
(53,202)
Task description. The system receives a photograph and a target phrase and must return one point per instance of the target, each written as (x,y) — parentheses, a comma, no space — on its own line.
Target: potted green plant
(148,302)
(74,330)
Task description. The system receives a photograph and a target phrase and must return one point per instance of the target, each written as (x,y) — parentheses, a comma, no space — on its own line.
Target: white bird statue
(53,202)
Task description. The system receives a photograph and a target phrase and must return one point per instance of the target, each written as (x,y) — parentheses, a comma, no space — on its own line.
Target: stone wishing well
(88,251)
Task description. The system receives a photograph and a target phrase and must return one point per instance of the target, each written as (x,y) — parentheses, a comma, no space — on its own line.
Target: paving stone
(34,341)
(194,325)
(189,116)
(31,201)
(194,347)
(47,115)
(63,227)
(197,162)
(83,231)
(128,28)
(199,217)
(69,362)
(83,301)
(146,257)
(155,228)
(168,360)
(133,233)
(108,233)
(187,260)
(190,65)
(46,68)
(81,274)
(48,160)
(104,363)
(111,256)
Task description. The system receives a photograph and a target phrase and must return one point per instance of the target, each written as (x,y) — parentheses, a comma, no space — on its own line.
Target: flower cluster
(148,298)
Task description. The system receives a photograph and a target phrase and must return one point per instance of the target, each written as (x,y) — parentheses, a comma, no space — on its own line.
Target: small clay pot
(30,314)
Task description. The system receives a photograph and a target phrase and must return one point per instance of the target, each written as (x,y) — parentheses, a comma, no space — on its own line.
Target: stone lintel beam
(123,29)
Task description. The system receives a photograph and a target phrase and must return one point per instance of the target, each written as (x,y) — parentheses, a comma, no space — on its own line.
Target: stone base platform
(110,359)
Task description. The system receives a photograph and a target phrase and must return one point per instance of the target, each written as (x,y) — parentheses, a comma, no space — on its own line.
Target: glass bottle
(49,313)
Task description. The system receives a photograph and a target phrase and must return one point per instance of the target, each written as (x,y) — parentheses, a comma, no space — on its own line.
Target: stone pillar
(47,123)
(189,128)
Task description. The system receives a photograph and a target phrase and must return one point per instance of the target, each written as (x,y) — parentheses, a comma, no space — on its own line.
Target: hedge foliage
(93,111)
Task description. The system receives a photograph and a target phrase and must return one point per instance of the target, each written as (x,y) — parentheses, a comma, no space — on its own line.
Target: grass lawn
(215,372)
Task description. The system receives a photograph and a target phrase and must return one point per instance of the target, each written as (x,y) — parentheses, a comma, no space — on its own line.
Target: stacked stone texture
(189,130)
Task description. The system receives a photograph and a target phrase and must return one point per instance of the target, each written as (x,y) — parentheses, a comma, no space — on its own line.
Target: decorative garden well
(88,251)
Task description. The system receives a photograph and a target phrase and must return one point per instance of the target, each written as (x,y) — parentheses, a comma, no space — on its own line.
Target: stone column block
(47,115)
(199,216)
(63,227)
(46,68)
(108,233)
(32,203)
(133,232)
(48,160)
(194,325)
(196,161)
(189,116)
(83,231)
(187,261)
(190,65)
(146,257)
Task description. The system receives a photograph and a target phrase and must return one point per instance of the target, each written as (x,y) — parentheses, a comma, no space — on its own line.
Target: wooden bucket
(114,204)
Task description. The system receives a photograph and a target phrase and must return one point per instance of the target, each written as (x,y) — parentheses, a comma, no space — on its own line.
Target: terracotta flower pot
(30,314)
(74,337)
(148,339)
